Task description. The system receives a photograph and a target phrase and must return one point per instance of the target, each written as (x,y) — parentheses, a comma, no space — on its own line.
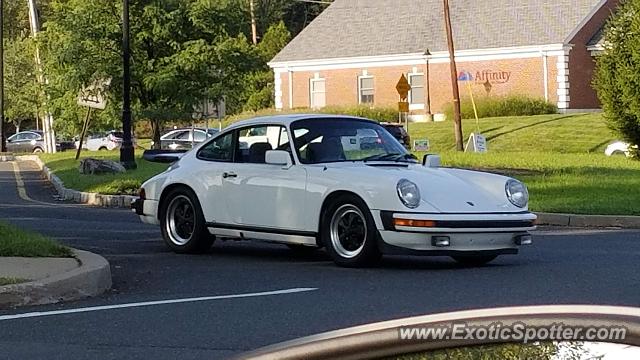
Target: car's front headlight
(517,193)
(408,193)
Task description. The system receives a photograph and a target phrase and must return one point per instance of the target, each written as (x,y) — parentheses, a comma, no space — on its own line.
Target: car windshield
(344,139)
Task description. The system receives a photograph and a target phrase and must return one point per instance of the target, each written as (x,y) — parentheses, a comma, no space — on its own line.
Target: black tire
(352,249)
(181,235)
(478,260)
(38,150)
(102,148)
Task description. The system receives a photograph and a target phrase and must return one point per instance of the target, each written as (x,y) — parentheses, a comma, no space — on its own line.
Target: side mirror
(278,157)
(431,160)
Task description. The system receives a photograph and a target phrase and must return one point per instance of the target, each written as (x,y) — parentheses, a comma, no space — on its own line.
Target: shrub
(496,106)
(618,72)
(377,113)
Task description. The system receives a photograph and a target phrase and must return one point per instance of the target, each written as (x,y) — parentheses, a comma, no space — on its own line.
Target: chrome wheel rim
(348,230)
(180,220)
(37,150)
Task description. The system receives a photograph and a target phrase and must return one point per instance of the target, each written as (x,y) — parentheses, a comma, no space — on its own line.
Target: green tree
(182,52)
(258,93)
(617,78)
(22,100)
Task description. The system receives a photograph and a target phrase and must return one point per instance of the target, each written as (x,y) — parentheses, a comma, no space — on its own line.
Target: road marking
(22,191)
(152,303)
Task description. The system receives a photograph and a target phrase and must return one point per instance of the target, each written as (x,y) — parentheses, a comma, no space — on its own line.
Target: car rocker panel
(385,203)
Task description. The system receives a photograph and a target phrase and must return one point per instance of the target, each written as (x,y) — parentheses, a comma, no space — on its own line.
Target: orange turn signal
(414,223)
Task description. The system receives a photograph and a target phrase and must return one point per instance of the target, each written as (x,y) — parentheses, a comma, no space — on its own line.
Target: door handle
(229,175)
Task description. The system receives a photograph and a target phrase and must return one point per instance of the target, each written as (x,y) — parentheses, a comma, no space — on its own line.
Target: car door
(213,159)
(14,142)
(260,195)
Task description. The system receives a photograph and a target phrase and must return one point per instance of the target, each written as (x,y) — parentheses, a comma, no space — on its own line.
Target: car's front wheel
(182,223)
(349,233)
(477,260)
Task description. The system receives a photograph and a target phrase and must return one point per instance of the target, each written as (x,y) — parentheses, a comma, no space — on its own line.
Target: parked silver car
(110,140)
(182,139)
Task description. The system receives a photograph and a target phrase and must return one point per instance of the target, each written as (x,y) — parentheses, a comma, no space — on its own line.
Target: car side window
(30,136)
(220,149)
(183,135)
(199,136)
(254,142)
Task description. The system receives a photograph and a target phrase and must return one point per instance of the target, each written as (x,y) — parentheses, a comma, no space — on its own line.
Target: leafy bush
(377,113)
(493,106)
(618,72)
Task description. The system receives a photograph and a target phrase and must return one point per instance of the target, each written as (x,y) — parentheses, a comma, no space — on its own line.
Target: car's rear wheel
(102,148)
(38,150)
(182,223)
(349,233)
(478,260)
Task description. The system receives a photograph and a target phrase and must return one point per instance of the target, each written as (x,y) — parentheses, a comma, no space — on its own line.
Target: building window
(317,93)
(417,94)
(365,89)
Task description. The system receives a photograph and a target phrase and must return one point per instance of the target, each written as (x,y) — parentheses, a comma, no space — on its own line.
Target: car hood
(444,190)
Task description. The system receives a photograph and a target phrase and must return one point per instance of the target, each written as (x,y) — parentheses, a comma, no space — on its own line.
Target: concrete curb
(6,157)
(94,199)
(91,278)
(576,220)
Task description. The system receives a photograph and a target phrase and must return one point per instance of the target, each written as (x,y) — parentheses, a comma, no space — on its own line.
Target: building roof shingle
(354,28)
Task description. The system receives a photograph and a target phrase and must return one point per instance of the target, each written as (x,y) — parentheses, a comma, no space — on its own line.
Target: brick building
(356,50)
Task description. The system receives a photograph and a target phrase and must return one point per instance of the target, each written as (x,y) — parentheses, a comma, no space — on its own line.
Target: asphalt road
(565,266)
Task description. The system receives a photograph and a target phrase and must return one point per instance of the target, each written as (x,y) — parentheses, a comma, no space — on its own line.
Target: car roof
(289,118)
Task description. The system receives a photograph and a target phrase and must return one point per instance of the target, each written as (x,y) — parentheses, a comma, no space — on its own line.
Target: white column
(545,69)
(290,89)
(563,80)
(277,83)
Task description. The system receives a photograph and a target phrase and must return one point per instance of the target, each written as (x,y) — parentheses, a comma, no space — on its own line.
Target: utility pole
(127,158)
(3,136)
(254,29)
(457,118)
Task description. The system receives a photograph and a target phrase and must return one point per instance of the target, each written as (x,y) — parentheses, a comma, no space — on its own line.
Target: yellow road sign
(403,87)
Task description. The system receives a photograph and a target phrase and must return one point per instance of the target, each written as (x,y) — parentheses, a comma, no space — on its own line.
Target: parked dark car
(181,139)
(32,141)
(399,132)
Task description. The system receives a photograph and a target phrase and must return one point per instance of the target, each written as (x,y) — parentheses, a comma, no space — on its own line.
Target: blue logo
(465,76)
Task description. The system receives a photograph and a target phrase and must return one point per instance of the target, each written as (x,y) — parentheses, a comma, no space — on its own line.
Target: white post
(290,89)
(545,69)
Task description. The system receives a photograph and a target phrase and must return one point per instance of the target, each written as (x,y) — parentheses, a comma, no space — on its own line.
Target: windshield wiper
(397,157)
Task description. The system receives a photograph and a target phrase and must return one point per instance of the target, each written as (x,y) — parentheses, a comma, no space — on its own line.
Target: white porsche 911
(337,182)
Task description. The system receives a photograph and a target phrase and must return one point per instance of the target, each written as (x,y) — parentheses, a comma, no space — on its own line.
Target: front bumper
(454,234)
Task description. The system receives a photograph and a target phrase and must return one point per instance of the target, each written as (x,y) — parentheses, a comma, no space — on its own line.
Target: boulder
(97,166)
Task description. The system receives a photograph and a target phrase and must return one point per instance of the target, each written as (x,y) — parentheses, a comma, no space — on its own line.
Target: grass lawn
(65,166)
(11,281)
(19,243)
(558,133)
